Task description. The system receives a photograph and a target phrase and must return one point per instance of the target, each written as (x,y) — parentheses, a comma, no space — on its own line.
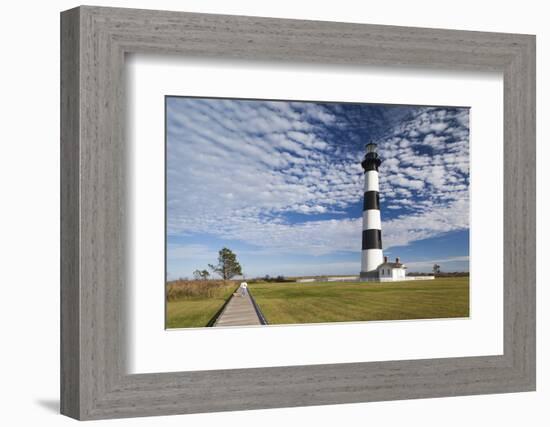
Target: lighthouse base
(372,273)
(370,279)
(369,276)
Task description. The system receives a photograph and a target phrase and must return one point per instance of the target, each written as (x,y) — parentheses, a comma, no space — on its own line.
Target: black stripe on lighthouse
(371,166)
(371,200)
(372,239)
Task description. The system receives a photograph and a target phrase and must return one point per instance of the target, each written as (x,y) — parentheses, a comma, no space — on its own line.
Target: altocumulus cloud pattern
(282,180)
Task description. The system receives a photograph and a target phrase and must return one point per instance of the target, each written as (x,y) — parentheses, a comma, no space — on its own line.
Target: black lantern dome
(371,161)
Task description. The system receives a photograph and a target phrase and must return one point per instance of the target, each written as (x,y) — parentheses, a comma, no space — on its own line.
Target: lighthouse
(375,267)
(371,255)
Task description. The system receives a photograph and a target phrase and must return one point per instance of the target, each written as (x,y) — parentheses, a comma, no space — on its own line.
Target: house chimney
(397,260)
(385,259)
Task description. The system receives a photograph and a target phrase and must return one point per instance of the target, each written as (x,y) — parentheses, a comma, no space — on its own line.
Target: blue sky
(280,183)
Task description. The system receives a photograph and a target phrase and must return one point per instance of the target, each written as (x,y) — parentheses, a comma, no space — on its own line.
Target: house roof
(392,265)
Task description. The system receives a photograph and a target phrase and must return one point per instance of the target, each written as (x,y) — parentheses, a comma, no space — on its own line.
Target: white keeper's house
(390,271)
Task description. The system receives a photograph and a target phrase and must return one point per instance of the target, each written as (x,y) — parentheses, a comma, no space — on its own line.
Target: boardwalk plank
(239,311)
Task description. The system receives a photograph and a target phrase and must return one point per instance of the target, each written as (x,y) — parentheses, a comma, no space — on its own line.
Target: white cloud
(191,250)
(327,236)
(438,126)
(431,223)
(437,142)
(434,163)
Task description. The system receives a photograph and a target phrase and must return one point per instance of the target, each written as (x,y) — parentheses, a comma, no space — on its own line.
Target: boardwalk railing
(261,316)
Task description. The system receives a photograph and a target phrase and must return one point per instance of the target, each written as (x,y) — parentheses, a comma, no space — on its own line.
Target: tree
(201,274)
(227,266)
(436,269)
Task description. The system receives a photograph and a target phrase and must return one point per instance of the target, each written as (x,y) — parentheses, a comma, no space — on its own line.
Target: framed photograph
(345,212)
(294,231)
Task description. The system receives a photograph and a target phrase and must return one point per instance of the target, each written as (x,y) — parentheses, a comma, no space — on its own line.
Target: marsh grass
(189,289)
(194,303)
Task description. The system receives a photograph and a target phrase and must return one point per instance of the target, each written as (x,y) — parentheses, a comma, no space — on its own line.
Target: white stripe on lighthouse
(371,181)
(371,259)
(371,219)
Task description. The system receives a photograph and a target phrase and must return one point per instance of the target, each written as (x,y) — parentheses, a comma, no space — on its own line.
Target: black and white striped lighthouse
(371,256)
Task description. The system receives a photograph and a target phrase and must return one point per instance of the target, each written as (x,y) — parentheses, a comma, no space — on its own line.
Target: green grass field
(286,303)
(194,312)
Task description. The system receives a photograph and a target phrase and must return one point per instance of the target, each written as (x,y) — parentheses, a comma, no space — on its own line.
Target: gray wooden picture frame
(94,381)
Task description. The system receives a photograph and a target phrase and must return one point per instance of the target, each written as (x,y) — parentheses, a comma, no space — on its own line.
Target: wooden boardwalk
(239,311)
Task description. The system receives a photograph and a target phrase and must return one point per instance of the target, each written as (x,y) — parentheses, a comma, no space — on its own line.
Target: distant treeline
(269,279)
(441,274)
